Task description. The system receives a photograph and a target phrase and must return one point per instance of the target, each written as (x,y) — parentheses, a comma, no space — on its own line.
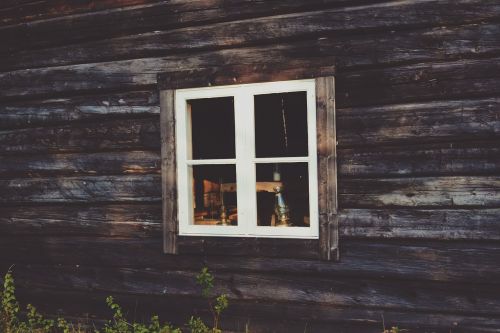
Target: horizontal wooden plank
(470,158)
(142,73)
(266,316)
(320,34)
(142,18)
(429,224)
(420,122)
(133,220)
(420,192)
(119,220)
(137,188)
(397,84)
(239,74)
(423,260)
(78,108)
(129,134)
(381,294)
(108,163)
(14,12)
(419,82)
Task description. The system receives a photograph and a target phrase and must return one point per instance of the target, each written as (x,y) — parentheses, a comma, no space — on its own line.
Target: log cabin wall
(418,126)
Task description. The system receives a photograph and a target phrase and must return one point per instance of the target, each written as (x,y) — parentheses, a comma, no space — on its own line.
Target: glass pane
(214,195)
(281,124)
(282,194)
(212,128)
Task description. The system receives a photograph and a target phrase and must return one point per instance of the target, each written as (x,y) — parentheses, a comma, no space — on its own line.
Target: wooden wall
(418,125)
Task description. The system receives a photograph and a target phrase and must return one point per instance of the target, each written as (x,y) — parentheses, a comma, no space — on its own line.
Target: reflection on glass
(214,195)
(282,194)
(281,125)
(212,128)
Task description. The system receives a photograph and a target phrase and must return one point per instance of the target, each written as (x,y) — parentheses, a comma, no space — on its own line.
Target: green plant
(34,322)
(392,330)
(9,312)
(217,305)
(120,325)
(9,306)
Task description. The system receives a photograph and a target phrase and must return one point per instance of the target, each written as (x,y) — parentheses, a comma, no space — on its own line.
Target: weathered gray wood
(138,188)
(327,168)
(479,224)
(416,296)
(351,50)
(20,11)
(249,73)
(249,246)
(388,54)
(108,163)
(404,83)
(420,122)
(148,17)
(418,82)
(267,315)
(474,158)
(77,108)
(132,220)
(384,15)
(138,134)
(420,192)
(406,260)
(168,172)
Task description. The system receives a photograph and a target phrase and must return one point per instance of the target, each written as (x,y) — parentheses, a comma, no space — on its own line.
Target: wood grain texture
(417,97)
(169,172)
(460,261)
(274,316)
(383,15)
(248,73)
(78,108)
(138,188)
(395,84)
(446,224)
(103,163)
(422,296)
(351,49)
(117,220)
(419,82)
(150,17)
(95,136)
(420,122)
(327,168)
(15,12)
(452,192)
(443,159)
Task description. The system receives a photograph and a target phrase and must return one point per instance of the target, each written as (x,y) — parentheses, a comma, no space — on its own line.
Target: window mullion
(244,166)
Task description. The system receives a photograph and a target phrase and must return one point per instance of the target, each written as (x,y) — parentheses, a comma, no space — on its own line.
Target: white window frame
(244,161)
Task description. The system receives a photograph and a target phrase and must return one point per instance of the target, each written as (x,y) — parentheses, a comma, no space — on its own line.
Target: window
(249,162)
(246,160)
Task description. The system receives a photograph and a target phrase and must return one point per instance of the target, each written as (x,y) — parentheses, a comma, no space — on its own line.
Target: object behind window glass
(282,201)
(214,195)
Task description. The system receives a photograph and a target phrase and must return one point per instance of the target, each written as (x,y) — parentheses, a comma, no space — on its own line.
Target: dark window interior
(212,128)
(281,125)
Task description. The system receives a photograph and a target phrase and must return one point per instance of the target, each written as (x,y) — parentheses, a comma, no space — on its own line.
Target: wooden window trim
(326,248)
